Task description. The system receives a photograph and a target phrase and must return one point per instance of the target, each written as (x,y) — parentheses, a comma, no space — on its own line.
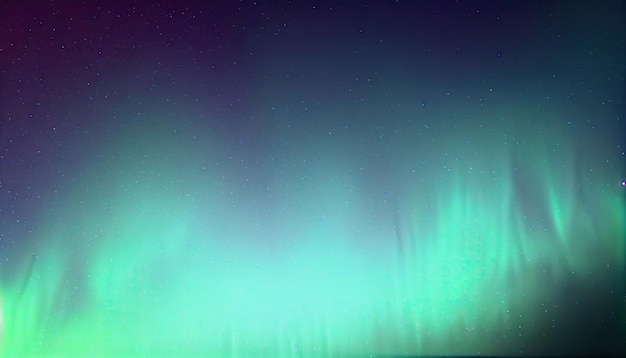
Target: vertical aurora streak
(377,191)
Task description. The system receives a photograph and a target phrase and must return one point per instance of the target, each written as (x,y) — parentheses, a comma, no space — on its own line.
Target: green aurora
(177,262)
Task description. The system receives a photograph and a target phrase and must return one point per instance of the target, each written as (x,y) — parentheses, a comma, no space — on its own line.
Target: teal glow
(150,255)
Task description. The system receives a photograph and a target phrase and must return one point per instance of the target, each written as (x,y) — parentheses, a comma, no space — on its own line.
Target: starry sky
(312,179)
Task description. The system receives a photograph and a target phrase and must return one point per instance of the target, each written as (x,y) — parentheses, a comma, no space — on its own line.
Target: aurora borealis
(221,179)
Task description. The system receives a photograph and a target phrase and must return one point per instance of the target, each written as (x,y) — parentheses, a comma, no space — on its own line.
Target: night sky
(312,179)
